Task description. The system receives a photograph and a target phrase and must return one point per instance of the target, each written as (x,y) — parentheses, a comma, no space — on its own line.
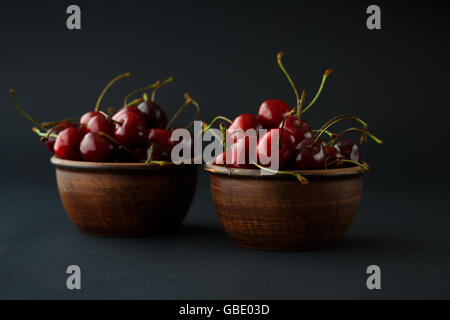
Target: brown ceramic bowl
(279,213)
(125,199)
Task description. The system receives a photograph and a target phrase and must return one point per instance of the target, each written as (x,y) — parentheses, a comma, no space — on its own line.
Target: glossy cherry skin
(95,148)
(160,137)
(84,120)
(285,149)
(67,145)
(299,128)
(153,114)
(271,113)
(238,155)
(332,157)
(133,130)
(349,149)
(122,111)
(309,158)
(241,124)
(100,123)
(50,143)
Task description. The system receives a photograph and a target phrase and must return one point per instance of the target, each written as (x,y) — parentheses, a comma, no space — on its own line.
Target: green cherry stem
(144,89)
(330,134)
(102,94)
(332,122)
(299,177)
(300,105)
(324,78)
(22,111)
(280,64)
(359,130)
(42,134)
(284,122)
(223,130)
(150,154)
(359,164)
(187,102)
(206,127)
(159,85)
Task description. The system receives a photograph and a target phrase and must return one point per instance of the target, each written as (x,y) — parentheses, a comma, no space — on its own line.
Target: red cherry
(100,123)
(50,143)
(132,131)
(285,149)
(332,157)
(349,149)
(271,112)
(84,120)
(299,128)
(153,114)
(67,145)
(95,148)
(241,124)
(122,111)
(160,137)
(238,156)
(309,157)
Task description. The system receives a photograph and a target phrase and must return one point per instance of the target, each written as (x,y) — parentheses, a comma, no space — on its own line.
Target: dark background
(223,53)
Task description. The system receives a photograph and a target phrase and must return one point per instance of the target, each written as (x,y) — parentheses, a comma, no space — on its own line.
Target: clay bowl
(279,213)
(125,199)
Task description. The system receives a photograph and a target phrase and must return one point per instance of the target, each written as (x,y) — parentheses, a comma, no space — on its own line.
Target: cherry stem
(144,89)
(50,124)
(188,101)
(284,122)
(42,134)
(109,118)
(330,134)
(279,57)
(107,136)
(150,154)
(22,111)
(332,122)
(159,85)
(206,127)
(134,102)
(361,131)
(300,105)
(102,94)
(299,177)
(361,165)
(223,130)
(324,78)
(346,116)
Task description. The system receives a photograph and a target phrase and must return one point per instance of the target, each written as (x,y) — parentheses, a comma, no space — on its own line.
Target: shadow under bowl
(277,212)
(125,199)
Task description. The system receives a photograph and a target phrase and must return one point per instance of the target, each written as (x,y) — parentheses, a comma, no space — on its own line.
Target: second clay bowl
(276,212)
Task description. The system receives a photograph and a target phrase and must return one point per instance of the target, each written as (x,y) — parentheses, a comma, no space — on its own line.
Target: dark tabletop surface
(223,54)
(405,233)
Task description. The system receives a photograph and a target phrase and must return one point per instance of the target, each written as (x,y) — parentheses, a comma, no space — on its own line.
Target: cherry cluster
(298,146)
(138,132)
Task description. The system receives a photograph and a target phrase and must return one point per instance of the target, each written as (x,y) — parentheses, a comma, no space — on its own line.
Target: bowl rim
(256,173)
(74,164)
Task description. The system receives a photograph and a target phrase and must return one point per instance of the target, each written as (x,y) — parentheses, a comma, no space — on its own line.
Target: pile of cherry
(298,146)
(138,132)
